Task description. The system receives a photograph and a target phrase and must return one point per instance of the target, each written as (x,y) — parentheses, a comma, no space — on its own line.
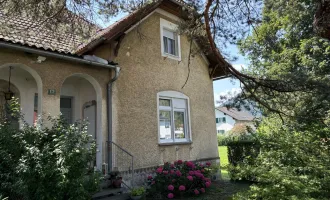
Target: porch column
(51,98)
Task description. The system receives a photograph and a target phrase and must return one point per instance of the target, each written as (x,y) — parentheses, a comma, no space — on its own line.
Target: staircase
(120,178)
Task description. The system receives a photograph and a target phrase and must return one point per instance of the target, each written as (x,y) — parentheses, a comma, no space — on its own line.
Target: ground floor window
(173,117)
(221,131)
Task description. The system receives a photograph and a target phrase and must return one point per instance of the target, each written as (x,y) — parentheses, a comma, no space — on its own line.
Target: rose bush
(180,178)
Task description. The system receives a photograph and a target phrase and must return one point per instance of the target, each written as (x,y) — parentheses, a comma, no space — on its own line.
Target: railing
(120,160)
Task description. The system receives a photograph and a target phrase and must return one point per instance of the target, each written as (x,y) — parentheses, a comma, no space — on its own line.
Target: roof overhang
(175,8)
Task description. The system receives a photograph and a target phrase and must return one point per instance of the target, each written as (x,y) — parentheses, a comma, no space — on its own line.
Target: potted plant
(117,182)
(137,193)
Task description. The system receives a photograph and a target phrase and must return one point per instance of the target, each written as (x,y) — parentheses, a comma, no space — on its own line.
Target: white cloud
(229,93)
(240,67)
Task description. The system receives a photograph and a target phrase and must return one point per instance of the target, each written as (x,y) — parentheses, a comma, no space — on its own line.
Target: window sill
(174,143)
(178,58)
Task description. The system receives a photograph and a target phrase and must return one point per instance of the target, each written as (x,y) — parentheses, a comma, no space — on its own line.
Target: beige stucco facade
(144,73)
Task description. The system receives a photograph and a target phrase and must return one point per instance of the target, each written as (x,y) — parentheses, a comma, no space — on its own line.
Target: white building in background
(226,119)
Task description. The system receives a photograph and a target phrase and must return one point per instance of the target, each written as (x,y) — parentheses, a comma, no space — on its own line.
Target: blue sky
(223,86)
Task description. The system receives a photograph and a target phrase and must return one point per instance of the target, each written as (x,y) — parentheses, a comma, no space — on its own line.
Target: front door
(66,109)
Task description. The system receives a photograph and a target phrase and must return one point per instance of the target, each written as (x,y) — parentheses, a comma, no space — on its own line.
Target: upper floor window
(220,120)
(170,40)
(173,117)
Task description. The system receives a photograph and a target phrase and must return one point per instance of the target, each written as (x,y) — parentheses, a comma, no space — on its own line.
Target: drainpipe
(109,114)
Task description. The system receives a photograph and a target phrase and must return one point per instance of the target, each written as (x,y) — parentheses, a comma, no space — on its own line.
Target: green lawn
(223,161)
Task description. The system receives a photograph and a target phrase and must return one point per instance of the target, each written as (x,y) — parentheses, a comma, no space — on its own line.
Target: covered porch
(76,97)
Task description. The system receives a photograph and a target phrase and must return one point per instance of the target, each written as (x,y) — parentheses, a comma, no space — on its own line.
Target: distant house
(226,119)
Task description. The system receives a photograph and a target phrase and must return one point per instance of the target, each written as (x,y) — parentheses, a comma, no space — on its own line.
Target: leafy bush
(137,191)
(293,162)
(180,178)
(49,163)
(222,140)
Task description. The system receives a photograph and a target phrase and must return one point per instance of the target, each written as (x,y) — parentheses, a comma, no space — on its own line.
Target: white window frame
(174,95)
(164,24)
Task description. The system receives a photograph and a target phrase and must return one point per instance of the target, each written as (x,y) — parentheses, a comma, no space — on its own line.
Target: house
(139,114)
(227,119)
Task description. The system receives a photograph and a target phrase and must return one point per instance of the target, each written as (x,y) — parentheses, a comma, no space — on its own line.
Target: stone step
(109,192)
(118,197)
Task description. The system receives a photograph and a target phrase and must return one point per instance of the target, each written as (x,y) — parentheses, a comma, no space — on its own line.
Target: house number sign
(51,91)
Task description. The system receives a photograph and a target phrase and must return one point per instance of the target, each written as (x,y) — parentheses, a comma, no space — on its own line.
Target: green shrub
(221,140)
(180,178)
(138,191)
(48,163)
(241,154)
(224,140)
(293,162)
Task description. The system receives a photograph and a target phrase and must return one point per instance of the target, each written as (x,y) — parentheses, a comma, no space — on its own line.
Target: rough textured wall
(145,73)
(53,74)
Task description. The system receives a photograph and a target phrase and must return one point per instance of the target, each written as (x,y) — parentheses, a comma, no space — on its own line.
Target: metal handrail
(112,144)
(121,148)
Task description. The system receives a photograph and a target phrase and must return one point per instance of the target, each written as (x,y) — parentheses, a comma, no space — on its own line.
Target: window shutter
(169,34)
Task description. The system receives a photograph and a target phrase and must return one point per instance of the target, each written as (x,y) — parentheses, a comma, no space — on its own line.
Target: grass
(223,162)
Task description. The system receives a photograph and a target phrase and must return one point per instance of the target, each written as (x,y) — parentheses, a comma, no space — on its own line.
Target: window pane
(179,103)
(169,46)
(165,125)
(165,44)
(179,121)
(165,102)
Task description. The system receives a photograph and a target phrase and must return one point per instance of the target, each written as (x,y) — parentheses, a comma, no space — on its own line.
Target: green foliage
(241,154)
(181,178)
(221,140)
(285,50)
(292,164)
(138,191)
(224,140)
(48,163)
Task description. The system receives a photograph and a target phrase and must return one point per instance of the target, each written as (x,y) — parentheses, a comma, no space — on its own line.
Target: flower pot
(117,183)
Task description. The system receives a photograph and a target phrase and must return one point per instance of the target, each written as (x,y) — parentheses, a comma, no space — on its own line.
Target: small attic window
(170,40)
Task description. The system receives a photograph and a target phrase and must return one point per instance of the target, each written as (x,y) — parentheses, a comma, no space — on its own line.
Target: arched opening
(28,84)
(4,112)
(81,98)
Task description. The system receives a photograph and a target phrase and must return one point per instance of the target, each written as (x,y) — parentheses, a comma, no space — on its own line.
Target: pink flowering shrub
(180,178)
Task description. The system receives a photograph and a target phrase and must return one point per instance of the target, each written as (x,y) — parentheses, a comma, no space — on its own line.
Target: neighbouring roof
(236,114)
(27,32)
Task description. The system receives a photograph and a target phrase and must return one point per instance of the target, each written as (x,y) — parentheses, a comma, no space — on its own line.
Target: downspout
(109,114)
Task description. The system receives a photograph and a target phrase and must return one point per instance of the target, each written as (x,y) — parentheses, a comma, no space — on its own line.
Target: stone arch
(23,80)
(76,87)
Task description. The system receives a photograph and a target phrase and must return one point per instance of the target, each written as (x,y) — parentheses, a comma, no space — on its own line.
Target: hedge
(241,153)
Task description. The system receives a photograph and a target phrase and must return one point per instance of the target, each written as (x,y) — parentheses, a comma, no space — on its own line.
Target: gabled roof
(234,113)
(116,30)
(23,31)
